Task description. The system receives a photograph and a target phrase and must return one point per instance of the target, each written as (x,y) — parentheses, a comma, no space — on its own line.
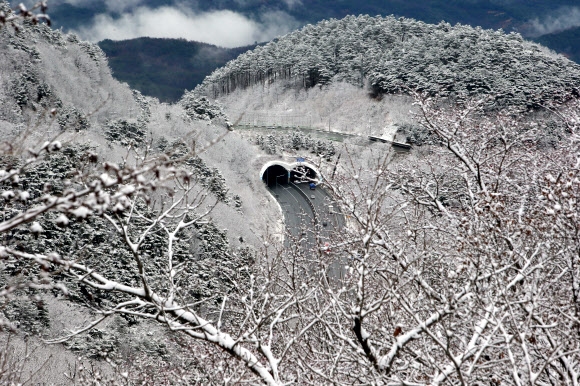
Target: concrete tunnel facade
(280,172)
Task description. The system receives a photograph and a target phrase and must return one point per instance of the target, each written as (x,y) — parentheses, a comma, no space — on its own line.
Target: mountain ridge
(522,17)
(164,68)
(391,54)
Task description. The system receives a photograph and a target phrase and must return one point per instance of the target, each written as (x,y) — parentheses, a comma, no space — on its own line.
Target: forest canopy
(390,54)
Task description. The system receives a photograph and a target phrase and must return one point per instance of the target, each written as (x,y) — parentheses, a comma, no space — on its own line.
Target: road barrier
(308,201)
(397,144)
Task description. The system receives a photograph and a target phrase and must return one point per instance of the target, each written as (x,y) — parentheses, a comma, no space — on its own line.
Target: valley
(146,242)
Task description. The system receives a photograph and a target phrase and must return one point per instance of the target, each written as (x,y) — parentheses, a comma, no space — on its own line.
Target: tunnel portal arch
(276,175)
(282,173)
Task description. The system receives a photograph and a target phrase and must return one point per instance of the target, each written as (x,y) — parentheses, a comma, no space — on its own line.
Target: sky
(194,19)
(561,19)
(225,28)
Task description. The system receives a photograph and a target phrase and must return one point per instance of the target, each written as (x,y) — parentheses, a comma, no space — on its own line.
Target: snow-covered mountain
(389,55)
(240,23)
(154,218)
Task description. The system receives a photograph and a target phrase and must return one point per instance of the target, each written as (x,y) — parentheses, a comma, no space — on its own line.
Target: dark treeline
(164,68)
(567,42)
(390,54)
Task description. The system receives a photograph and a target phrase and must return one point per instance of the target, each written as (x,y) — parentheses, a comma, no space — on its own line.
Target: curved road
(312,229)
(298,215)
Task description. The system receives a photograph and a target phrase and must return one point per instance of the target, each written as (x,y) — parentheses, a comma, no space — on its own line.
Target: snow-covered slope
(390,55)
(54,86)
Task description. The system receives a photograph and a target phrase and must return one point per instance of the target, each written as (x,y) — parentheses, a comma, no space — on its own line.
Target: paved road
(336,136)
(298,214)
(328,213)
(312,229)
(316,133)
(326,209)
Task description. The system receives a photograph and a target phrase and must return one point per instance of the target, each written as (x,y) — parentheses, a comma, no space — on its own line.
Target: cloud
(560,20)
(223,28)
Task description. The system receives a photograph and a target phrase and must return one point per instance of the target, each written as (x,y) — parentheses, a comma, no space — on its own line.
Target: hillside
(58,90)
(164,68)
(43,69)
(140,246)
(389,55)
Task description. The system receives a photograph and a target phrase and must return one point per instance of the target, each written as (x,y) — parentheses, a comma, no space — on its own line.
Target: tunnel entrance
(275,174)
(302,173)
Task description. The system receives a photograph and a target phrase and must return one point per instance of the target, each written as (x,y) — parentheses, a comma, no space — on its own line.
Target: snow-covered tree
(458,265)
(392,55)
(461,268)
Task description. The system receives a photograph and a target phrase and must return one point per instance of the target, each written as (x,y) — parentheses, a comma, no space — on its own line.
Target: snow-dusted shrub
(211,178)
(295,141)
(125,132)
(26,310)
(144,106)
(416,134)
(71,117)
(92,50)
(20,41)
(200,107)
(25,87)
(54,38)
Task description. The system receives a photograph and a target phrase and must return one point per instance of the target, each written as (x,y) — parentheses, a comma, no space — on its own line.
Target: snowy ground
(340,107)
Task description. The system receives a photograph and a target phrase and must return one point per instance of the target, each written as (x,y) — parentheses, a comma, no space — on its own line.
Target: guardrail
(397,144)
(307,200)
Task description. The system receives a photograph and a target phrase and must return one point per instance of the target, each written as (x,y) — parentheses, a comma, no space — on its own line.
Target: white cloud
(560,20)
(222,28)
